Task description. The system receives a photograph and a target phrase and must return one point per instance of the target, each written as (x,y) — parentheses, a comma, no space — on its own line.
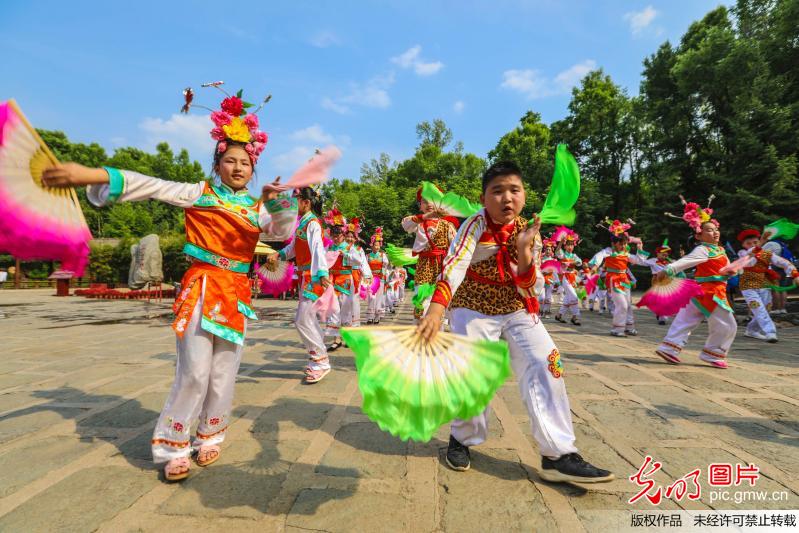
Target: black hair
(307,193)
(619,238)
(218,155)
(336,230)
(500,168)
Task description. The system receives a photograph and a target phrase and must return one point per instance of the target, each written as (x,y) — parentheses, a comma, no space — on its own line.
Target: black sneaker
(576,321)
(333,347)
(572,467)
(458,457)
(662,322)
(559,318)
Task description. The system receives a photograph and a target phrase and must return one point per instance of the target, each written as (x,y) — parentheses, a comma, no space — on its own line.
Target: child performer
(615,261)
(403,278)
(360,270)
(489,280)
(433,233)
(550,278)
(754,283)
(658,263)
(223,223)
(379,265)
(708,258)
(570,262)
(308,250)
(341,273)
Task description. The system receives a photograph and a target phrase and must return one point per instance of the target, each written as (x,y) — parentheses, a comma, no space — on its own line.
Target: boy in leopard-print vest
(489,280)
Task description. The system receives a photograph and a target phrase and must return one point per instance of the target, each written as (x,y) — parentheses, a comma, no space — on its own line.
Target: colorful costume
(754,284)
(432,238)
(488,299)
(307,248)
(570,262)
(551,280)
(379,265)
(708,260)
(213,306)
(617,279)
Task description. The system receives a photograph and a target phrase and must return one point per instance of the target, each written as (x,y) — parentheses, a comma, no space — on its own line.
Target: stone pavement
(82,382)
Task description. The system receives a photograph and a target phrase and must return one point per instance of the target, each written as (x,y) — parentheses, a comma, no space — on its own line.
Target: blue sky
(358,74)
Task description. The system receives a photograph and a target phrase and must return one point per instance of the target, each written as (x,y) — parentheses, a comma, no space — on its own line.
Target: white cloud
(313,133)
(373,93)
(180,131)
(411,59)
(533,84)
(640,20)
(458,106)
(571,76)
(328,103)
(325,39)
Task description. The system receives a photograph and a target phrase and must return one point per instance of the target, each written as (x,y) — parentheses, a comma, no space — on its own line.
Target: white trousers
(205,376)
(623,318)
(355,305)
(546,299)
(757,300)
(569,306)
(341,318)
(374,307)
(721,332)
(311,334)
(401,291)
(602,296)
(543,394)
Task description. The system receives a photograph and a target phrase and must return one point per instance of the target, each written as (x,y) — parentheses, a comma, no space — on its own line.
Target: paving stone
(624,374)
(82,501)
(649,425)
(32,419)
(776,410)
(21,465)
(291,414)
(496,490)
(703,381)
(675,402)
(579,383)
(337,510)
(248,475)
(133,413)
(366,451)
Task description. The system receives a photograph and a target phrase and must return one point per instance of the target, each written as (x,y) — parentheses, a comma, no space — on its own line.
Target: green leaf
(238,94)
(247,105)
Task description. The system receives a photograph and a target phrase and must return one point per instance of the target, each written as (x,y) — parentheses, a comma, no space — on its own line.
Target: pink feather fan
(315,171)
(327,304)
(667,297)
(37,222)
(276,277)
(551,266)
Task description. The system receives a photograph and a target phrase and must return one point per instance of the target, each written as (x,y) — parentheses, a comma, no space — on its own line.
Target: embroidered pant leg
(310,331)
(215,413)
(722,328)
(761,321)
(192,371)
(536,363)
(684,323)
(334,320)
(345,302)
(543,394)
(620,303)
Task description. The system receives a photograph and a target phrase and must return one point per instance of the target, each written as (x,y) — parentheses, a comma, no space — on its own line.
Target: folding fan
(551,266)
(400,256)
(276,277)
(38,222)
(451,203)
(315,170)
(410,387)
(590,284)
(423,292)
(667,297)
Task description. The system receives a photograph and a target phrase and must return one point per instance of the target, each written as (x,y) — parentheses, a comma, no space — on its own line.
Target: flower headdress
(694,215)
(354,226)
(377,236)
(616,227)
(564,234)
(232,122)
(334,217)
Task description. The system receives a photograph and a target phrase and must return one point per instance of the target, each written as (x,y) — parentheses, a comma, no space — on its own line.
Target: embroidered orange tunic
(221,233)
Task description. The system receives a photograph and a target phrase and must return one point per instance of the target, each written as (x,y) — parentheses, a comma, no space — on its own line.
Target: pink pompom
(220,118)
(251,121)
(218,134)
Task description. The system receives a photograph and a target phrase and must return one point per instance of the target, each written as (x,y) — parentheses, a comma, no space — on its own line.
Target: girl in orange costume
(223,223)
